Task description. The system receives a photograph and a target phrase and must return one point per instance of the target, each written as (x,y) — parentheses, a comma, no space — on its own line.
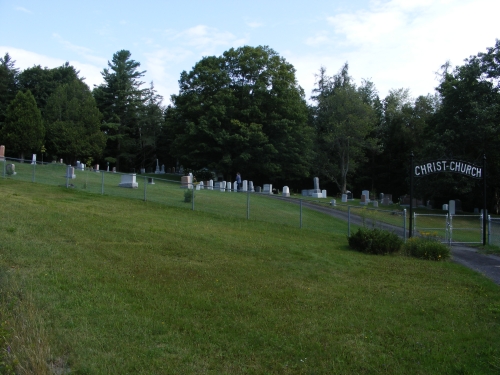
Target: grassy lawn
(102,284)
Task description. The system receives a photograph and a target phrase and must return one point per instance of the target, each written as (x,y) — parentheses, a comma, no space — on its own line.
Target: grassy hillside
(96,285)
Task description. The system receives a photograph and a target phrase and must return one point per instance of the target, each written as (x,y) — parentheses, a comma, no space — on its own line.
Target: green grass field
(94,284)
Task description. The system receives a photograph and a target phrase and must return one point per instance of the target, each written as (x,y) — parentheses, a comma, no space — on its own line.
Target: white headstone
(70,172)
(366,193)
(33,161)
(228,186)
(286,191)
(323,193)
(451,207)
(235,186)
(363,200)
(250,187)
(375,203)
(223,186)
(344,198)
(333,202)
(211,185)
(128,181)
(445,207)
(267,189)
(245,185)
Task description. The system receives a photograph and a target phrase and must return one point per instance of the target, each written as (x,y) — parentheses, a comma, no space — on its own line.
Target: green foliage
(23,131)
(375,241)
(343,122)
(427,248)
(8,84)
(204,175)
(188,195)
(73,123)
(120,100)
(241,111)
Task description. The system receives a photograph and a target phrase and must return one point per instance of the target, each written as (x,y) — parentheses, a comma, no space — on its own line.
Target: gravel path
(488,265)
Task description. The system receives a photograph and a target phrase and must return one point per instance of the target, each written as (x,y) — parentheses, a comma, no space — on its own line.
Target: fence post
(192,197)
(489,229)
(102,183)
(33,179)
(300,215)
(348,221)
(248,204)
(4,167)
(404,225)
(145,187)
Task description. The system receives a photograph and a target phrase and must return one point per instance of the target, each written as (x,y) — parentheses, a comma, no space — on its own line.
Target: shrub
(426,248)
(188,194)
(204,175)
(375,241)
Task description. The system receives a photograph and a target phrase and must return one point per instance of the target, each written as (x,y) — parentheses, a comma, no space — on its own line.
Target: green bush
(188,194)
(426,248)
(375,241)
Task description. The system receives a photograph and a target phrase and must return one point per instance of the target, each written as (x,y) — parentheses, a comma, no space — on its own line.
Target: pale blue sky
(396,44)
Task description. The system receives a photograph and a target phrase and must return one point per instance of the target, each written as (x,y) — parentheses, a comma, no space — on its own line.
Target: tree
(120,100)
(467,124)
(73,123)
(23,131)
(151,121)
(42,82)
(242,111)
(344,120)
(8,84)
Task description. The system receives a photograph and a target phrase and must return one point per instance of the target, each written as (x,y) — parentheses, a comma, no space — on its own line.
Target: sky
(394,43)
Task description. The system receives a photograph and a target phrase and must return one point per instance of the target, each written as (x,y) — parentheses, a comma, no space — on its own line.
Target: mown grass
(113,285)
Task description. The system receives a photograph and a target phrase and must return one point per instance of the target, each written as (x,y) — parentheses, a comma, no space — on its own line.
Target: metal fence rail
(313,214)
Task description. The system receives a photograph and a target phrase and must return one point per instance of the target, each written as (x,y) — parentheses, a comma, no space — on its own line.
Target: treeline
(245,112)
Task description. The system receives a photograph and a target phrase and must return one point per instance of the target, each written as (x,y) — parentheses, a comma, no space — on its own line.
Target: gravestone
(163,168)
(211,185)
(451,207)
(33,160)
(235,186)
(201,185)
(344,198)
(61,161)
(143,170)
(70,172)
(258,189)
(305,192)
(333,202)
(366,193)
(223,186)
(128,181)
(316,193)
(96,167)
(323,193)
(228,186)
(349,195)
(458,205)
(445,207)
(381,197)
(186,182)
(2,152)
(385,201)
(217,185)
(375,203)
(114,169)
(10,169)
(268,189)
(286,191)
(363,200)
(389,198)
(245,185)
(250,187)
(151,181)
(157,170)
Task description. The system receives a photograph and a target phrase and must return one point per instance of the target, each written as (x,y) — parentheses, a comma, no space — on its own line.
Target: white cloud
(402,43)
(82,51)
(254,24)
(26,59)
(208,39)
(21,9)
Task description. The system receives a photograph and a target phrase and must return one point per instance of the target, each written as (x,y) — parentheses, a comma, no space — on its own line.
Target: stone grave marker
(268,189)
(228,186)
(286,191)
(250,187)
(258,189)
(70,172)
(128,181)
(445,207)
(363,200)
(151,181)
(451,207)
(10,169)
(366,193)
(245,185)
(344,198)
